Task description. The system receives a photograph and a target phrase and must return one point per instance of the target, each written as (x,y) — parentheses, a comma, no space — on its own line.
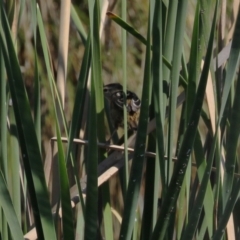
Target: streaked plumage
(115,95)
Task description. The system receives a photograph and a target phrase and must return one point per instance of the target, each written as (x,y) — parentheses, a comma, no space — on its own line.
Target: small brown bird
(115,95)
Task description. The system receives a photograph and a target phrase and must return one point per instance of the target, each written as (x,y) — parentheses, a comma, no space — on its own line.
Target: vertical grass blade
(3,115)
(3,127)
(201,165)
(196,210)
(177,50)
(158,95)
(138,159)
(104,190)
(94,12)
(228,210)
(63,49)
(232,141)
(91,216)
(194,64)
(78,110)
(124,73)
(48,63)
(155,142)
(37,95)
(231,193)
(8,209)
(185,150)
(95,123)
(169,32)
(151,192)
(67,214)
(78,25)
(28,139)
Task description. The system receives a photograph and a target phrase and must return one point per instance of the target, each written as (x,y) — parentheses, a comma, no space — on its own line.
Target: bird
(113,92)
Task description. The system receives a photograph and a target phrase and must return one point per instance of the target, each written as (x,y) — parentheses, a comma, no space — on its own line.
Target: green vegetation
(177,177)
